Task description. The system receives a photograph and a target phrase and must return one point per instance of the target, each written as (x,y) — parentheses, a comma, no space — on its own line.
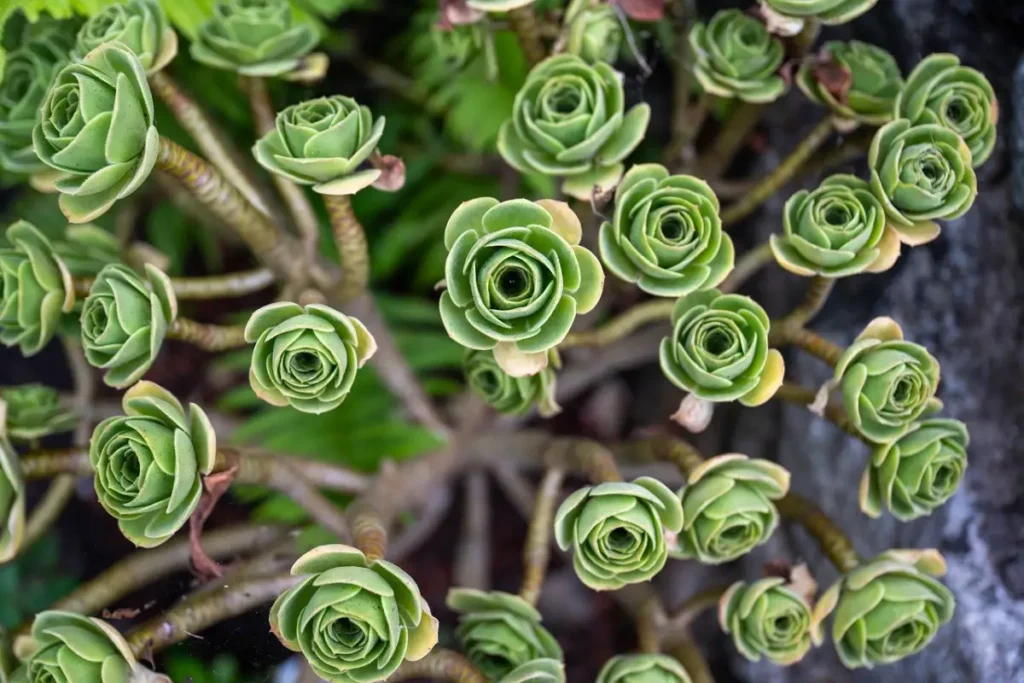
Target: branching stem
(440,664)
(206,286)
(833,412)
(654,310)
(206,336)
(537,549)
(834,543)
(350,239)
(716,160)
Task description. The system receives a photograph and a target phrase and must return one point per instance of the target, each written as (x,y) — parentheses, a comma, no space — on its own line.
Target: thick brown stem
(350,239)
(585,456)
(655,310)
(818,290)
(442,665)
(833,412)
(537,549)
(690,656)
(811,342)
(730,139)
(207,337)
(369,529)
(523,20)
(473,552)
(835,544)
(677,451)
(647,633)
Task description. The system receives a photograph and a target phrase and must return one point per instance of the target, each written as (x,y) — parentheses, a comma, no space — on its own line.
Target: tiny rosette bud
(569,120)
(916,474)
(507,394)
(139,25)
(34,411)
(869,81)
(736,57)
(323,143)
(497,5)
(643,668)
(728,509)
(829,12)
(149,462)
(353,620)
(501,632)
(666,234)
(12,496)
(718,349)
(595,33)
(887,382)
(886,609)
(306,358)
(766,619)
(617,531)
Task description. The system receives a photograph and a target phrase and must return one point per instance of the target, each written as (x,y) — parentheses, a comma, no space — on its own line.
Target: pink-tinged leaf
(642,10)
(392,172)
(214,487)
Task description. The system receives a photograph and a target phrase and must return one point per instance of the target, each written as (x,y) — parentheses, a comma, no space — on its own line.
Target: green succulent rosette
(139,25)
(516,276)
(917,473)
(508,394)
(836,230)
(767,619)
(941,91)
(887,382)
(643,668)
(34,411)
(497,5)
(35,289)
(886,609)
(617,531)
(306,358)
(829,12)
(354,621)
(921,173)
(148,463)
(857,81)
(12,495)
(124,321)
(254,38)
(666,235)
(718,350)
(736,57)
(537,671)
(96,128)
(595,33)
(728,509)
(500,631)
(569,120)
(323,143)
(65,646)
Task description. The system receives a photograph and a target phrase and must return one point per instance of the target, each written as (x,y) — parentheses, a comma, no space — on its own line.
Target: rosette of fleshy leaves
(736,57)
(35,289)
(940,90)
(323,143)
(888,383)
(718,349)
(916,474)
(508,394)
(617,531)
(643,668)
(516,276)
(921,173)
(537,671)
(569,120)
(666,235)
(254,38)
(836,230)
(767,618)
(595,32)
(828,12)
(97,128)
(857,81)
(149,462)
(64,646)
(124,321)
(886,609)
(139,25)
(727,507)
(12,494)
(354,620)
(500,631)
(306,357)
(34,411)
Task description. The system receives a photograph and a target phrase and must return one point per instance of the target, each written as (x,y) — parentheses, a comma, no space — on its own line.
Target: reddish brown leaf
(392,168)
(834,77)
(214,487)
(642,10)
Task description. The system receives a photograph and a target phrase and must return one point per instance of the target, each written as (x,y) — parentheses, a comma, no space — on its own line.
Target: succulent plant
(537,671)
(736,57)
(569,120)
(254,38)
(354,621)
(124,321)
(666,234)
(500,631)
(34,411)
(306,357)
(718,349)
(836,230)
(516,276)
(917,473)
(767,619)
(886,609)
(497,5)
(643,668)
(617,531)
(887,382)
(139,25)
(148,463)
(322,143)
(921,173)
(942,91)
(507,394)
(12,495)
(97,128)
(728,509)
(856,81)
(829,12)
(595,33)
(35,289)
(87,249)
